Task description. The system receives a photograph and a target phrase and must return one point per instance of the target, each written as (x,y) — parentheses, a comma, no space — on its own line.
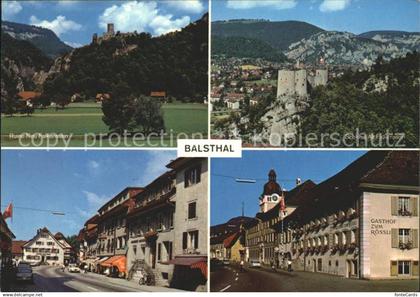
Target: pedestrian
(289,265)
(241,264)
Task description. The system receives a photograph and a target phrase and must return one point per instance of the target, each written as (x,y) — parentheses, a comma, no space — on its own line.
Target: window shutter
(331,240)
(348,237)
(198,173)
(394,205)
(394,268)
(394,238)
(196,241)
(415,237)
(415,267)
(414,206)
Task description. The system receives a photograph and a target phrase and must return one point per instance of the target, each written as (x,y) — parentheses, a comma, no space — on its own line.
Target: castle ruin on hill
(293,86)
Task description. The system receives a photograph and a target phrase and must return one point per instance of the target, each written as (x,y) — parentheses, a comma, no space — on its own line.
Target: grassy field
(80,118)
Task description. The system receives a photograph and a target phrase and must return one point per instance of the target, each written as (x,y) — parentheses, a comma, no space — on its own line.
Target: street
(230,279)
(52,279)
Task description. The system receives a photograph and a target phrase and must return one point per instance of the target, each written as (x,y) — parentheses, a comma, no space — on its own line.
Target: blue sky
(356,16)
(76,182)
(75,21)
(227,195)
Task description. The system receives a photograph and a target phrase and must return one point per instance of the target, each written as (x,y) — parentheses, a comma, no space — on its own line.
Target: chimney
(298,181)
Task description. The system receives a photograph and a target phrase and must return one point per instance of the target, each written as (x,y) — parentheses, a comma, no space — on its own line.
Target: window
(38,243)
(190,240)
(319,264)
(336,263)
(171,219)
(404,267)
(403,235)
(404,206)
(192,176)
(192,214)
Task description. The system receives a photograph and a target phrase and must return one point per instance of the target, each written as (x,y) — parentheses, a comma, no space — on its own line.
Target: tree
(148,114)
(74,242)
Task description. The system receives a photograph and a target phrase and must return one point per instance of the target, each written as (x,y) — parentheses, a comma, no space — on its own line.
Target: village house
(151,230)
(112,232)
(69,254)
(370,206)
(219,245)
(44,248)
(28,97)
(191,225)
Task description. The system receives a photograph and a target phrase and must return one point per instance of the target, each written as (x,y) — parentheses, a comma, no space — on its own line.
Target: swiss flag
(8,213)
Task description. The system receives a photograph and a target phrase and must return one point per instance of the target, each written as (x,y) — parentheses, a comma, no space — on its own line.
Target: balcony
(191,251)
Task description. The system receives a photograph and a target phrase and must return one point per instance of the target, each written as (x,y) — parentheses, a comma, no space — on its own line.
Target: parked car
(255,264)
(73,268)
(215,263)
(24,273)
(35,263)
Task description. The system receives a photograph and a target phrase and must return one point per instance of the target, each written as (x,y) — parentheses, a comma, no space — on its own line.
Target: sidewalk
(130,284)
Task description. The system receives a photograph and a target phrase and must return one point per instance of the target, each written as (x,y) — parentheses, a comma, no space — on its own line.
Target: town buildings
(44,248)
(112,232)
(151,230)
(338,226)
(159,230)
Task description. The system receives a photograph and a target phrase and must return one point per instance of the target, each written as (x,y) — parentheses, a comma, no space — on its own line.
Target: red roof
(158,94)
(231,240)
(28,95)
(17,247)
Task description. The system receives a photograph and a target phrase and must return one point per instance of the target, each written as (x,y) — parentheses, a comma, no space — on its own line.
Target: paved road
(52,279)
(230,279)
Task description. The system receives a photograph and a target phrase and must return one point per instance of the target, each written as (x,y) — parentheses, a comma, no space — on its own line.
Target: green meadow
(82,118)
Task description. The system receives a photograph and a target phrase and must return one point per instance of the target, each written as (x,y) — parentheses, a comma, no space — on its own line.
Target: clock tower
(272,194)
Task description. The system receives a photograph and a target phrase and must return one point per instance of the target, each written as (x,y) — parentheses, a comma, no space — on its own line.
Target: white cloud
(73,44)
(191,6)
(94,202)
(155,166)
(334,5)
(92,164)
(249,4)
(141,16)
(59,25)
(10,8)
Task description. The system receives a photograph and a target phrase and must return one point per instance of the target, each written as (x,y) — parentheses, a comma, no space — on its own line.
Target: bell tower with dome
(272,194)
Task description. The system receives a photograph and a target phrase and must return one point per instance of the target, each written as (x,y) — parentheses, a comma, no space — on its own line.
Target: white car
(255,264)
(74,268)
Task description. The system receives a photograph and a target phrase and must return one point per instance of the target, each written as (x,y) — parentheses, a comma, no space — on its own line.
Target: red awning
(118,261)
(192,262)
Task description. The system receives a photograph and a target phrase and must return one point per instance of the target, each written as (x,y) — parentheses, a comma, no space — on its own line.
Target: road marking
(236,279)
(224,289)
(237,274)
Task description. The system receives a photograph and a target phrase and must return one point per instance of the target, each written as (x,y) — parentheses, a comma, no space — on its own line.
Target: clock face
(275,197)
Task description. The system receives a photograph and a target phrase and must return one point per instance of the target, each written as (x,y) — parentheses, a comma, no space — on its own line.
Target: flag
(8,213)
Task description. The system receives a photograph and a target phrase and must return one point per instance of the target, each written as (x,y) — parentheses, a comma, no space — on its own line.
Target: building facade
(151,230)
(191,223)
(44,248)
(370,206)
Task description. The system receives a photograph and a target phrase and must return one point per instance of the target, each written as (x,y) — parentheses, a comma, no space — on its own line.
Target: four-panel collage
(210,146)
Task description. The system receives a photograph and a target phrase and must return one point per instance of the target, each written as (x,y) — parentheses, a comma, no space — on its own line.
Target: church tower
(272,194)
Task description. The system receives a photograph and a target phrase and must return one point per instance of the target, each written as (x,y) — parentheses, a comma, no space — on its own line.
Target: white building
(44,248)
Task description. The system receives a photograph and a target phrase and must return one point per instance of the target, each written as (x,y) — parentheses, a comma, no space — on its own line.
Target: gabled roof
(132,190)
(44,230)
(28,95)
(231,240)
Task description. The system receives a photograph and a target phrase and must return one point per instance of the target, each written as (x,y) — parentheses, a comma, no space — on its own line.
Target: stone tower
(110,29)
(285,82)
(301,83)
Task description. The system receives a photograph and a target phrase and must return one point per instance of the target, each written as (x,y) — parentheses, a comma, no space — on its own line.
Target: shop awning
(192,262)
(118,261)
